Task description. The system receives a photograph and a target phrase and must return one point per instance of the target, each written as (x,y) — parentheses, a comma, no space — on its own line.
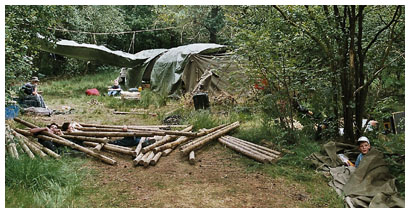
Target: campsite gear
(201,101)
(370,185)
(345,160)
(93,91)
(364,139)
(12,111)
(139,89)
(38,111)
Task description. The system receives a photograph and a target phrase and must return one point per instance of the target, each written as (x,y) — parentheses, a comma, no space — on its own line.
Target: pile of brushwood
(97,138)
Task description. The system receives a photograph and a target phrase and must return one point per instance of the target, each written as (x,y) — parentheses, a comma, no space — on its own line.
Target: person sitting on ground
(134,141)
(114,90)
(30,89)
(364,147)
(53,129)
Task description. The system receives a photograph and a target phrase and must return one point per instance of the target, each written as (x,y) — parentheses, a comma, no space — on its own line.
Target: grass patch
(42,183)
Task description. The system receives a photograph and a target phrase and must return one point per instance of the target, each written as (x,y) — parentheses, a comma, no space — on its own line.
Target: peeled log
(256,149)
(16,153)
(22,144)
(84,138)
(130,127)
(255,152)
(35,149)
(65,142)
(113,134)
(256,145)
(46,150)
(99,146)
(244,152)
(139,147)
(197,143)
(192,157)
(110,147)
(164,140)
(11,151)
(171,145)
(166,152)
(207,131)
(155,159)
(137,160)
(146,161)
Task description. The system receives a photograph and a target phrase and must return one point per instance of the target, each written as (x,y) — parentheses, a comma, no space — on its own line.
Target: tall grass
(41,182)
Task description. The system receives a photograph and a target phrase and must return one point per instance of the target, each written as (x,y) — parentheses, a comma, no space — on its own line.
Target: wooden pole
(255,152)
(14,148)
(110,147)
(21,140)
(164,140)
(11,151)
(144,160)
(244,151)
(171,145)
(137,160)
(35,149)
(192,157)
(26,149)
(256,145)
(46,150)
(84,138)
(114,134)
(199,142)
(166,152)
(65,142)
(208,131)
(139,146)
(99,147)
(256,149)
(155,159)
(133,126)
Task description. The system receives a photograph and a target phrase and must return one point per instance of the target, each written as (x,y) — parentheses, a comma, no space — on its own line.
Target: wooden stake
(199,142)
(192,157)
(155,159)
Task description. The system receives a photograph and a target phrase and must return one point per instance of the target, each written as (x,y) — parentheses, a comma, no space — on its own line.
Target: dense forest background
(344,63)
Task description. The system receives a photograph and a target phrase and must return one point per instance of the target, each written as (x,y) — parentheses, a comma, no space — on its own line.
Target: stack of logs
(98,137)
(254,151)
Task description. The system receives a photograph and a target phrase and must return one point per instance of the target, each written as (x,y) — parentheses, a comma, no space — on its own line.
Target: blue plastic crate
(12,111)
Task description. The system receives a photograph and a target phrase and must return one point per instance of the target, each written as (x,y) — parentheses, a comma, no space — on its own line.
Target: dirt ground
(217,179)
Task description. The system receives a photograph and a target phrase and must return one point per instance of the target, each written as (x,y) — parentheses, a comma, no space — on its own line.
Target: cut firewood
(199,142)
(246,152)
(155,159)
(192,157)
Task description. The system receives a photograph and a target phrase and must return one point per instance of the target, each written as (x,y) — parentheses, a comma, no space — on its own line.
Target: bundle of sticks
(254,151)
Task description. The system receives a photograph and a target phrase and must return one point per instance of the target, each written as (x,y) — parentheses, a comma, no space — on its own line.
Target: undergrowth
(39,183)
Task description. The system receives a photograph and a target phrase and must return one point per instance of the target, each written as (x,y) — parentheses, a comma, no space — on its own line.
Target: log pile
(96,140)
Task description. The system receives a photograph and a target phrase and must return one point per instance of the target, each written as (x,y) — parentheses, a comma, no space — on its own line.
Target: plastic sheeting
(168,69)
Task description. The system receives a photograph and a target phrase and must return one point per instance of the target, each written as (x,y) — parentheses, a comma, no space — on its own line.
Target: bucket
(201,101)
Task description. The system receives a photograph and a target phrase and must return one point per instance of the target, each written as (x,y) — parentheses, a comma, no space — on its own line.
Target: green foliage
(149,98)
(42,183)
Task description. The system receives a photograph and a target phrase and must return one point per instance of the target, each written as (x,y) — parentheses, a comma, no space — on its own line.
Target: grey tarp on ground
(168,69)
(370,185)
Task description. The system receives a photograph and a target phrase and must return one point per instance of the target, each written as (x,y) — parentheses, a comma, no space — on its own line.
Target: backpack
(93,91)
